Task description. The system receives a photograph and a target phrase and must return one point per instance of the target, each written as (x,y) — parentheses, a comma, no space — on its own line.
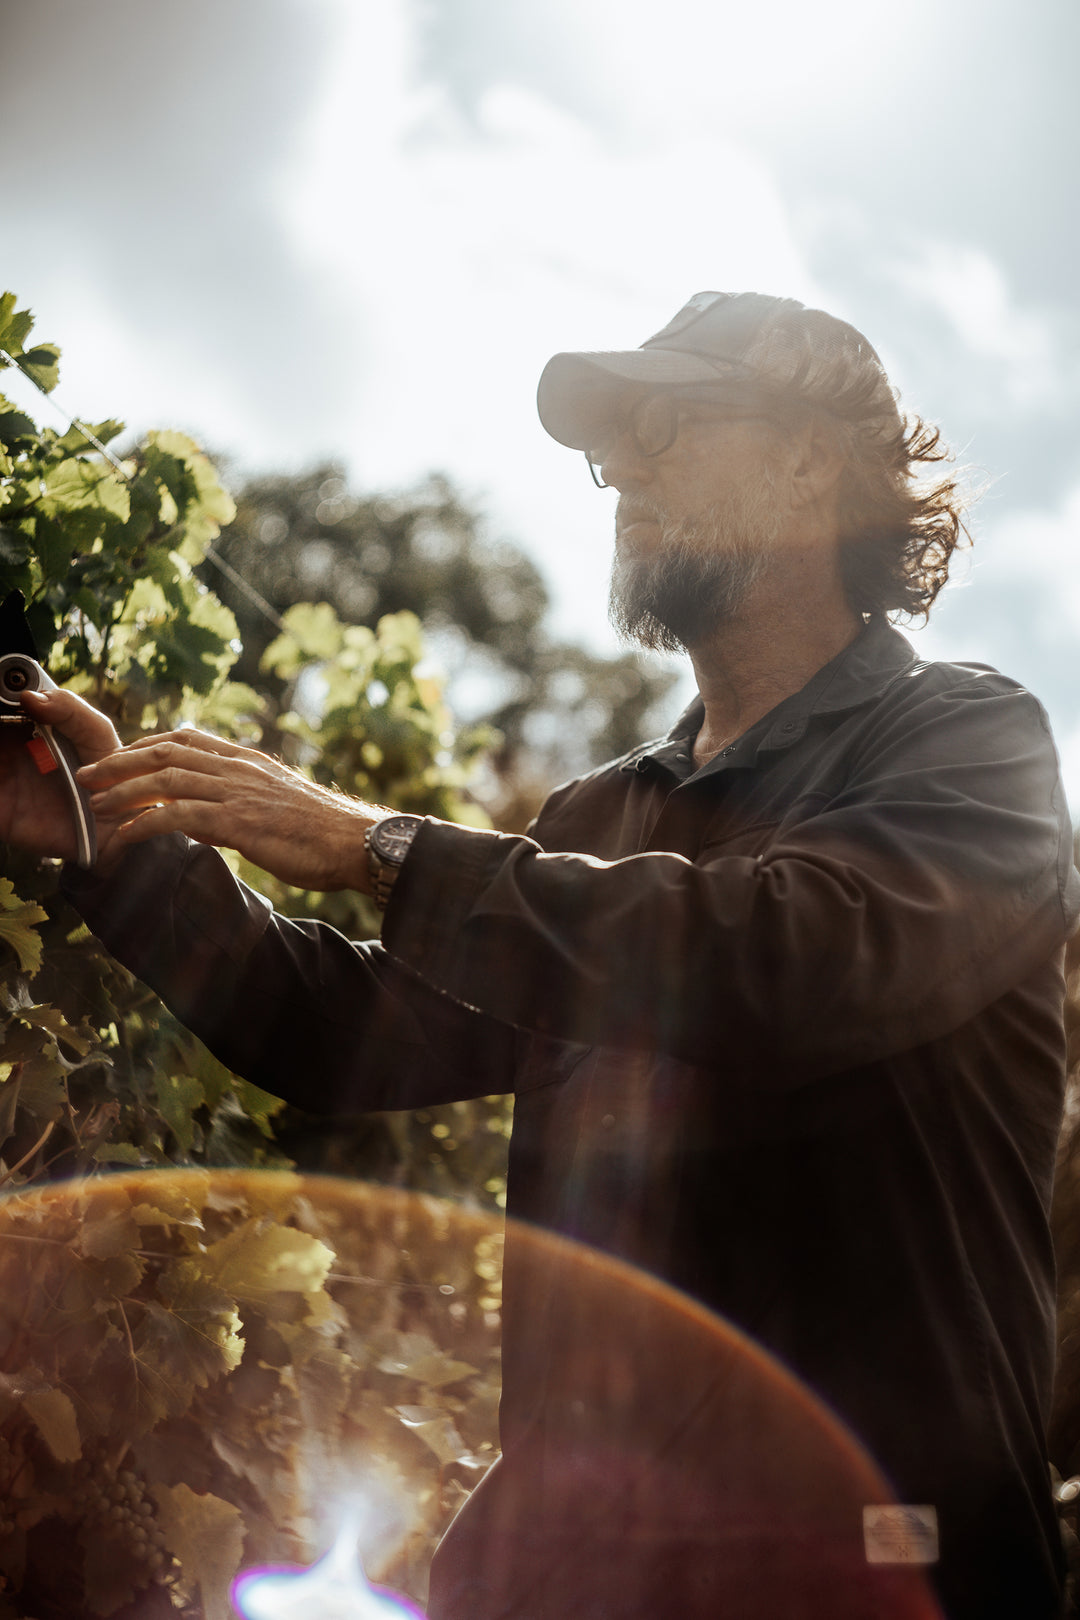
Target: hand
(219,793)
(35,811)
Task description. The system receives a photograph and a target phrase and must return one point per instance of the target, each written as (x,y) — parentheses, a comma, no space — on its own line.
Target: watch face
(392,837)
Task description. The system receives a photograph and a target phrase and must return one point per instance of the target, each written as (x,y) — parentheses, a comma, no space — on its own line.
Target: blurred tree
(559,709)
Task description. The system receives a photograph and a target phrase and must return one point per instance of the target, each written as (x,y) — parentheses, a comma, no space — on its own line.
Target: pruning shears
(21,671)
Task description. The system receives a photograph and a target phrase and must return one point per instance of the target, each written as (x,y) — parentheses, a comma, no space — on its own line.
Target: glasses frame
(679,397)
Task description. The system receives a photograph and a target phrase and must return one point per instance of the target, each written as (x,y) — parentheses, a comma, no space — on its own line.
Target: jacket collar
(859,674)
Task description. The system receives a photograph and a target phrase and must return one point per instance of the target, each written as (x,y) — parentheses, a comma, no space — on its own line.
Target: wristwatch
(387,843)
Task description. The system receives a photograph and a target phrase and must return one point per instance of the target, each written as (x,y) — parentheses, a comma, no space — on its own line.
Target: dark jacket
(785,1030)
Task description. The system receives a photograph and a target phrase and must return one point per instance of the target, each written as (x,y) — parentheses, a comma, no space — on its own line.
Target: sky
(303,229)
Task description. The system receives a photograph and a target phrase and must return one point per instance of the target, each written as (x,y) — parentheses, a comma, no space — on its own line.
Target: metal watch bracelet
(387,843)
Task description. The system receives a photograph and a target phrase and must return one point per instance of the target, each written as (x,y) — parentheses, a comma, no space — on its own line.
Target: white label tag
(899,1533)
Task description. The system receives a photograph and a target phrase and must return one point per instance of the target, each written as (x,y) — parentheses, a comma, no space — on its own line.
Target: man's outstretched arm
(295,1007)
(334,1026)
(934,882)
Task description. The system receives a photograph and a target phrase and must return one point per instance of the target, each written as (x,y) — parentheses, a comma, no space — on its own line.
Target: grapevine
(118,1505)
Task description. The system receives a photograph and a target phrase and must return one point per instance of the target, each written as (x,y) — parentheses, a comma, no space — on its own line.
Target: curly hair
(898,526)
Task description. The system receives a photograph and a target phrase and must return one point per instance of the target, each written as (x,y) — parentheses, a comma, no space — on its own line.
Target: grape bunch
(118,1505)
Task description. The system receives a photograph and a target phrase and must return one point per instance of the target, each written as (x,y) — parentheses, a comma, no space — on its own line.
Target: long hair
(899,524)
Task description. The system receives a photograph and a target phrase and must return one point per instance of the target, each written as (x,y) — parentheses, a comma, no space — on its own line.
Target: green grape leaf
(42,365)
(312,631)
(171,442)
(120,1275)
(44,1017)
(75,483)
(105,1232)
(215,502)
(214,1078)
(178,1095)
(42,624)
(42,1086)
(400,638)
(166,460)
(117,1153)
(206,1535)
(232,709)
(257,1261)
(17,919)
(176,1347)
(59,539)
(166,1211)
(189,653)
(185,1346)
(74,440)
(15,325)
(259,1105)
(16,426)
(54,1416)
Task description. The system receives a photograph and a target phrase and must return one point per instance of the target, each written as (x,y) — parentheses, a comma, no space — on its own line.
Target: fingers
(91,732)
(205,741)
(151,757)
(157,787)
(193,783)
(198,819)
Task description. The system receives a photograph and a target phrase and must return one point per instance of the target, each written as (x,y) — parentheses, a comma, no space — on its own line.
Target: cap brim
(579,393)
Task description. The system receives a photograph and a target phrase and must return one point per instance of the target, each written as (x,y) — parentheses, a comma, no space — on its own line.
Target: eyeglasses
(653,424)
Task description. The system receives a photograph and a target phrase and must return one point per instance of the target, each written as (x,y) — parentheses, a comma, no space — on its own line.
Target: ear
(817,462)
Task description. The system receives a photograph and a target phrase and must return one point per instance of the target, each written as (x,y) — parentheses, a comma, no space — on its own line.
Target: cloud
(141,145)
(968,289)
(467,250)
(675,69)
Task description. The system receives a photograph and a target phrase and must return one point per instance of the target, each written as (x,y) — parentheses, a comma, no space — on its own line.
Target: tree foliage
(94,1069)
(557,708)
(123,1322)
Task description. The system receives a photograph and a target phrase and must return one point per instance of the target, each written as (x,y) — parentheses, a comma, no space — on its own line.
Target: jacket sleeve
(333,1026)
(884,917)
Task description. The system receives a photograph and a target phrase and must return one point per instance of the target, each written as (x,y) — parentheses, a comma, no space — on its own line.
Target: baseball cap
(757,347)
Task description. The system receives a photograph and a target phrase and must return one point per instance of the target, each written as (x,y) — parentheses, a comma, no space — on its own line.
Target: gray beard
(700,572)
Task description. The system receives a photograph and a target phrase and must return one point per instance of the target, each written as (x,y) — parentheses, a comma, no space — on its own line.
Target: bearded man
(779,995)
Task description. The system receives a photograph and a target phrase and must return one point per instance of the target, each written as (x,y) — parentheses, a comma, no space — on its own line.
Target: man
(779,995)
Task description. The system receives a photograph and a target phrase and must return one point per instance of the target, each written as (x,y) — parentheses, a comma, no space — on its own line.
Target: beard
(697,576)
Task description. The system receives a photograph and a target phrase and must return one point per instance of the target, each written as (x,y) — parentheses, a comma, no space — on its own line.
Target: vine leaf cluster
(197,1371)
(133,1334)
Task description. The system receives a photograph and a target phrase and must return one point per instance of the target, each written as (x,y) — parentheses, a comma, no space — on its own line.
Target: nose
(622,465)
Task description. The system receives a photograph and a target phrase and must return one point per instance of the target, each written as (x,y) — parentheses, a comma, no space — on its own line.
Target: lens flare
(220,1372)
(335,1588)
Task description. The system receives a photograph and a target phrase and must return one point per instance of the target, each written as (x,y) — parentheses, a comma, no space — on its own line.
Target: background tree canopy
(557,708)
(165,1354)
